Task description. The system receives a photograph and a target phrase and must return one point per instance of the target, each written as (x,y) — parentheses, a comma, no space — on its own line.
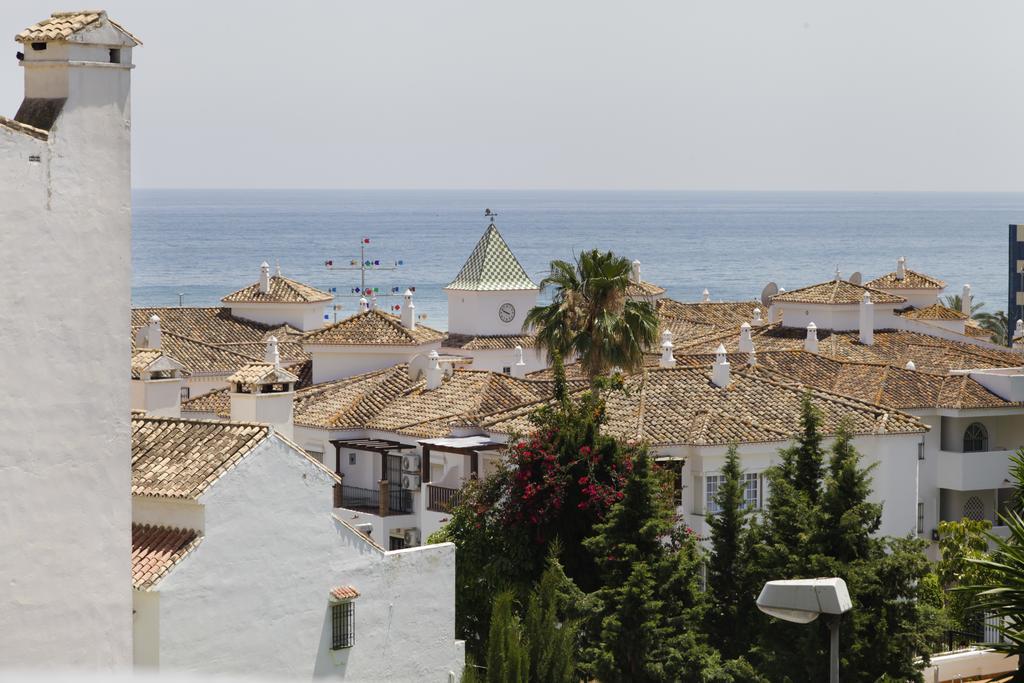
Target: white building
(487,303)
(275,300)
(920,290)
(240,565)
(65,214)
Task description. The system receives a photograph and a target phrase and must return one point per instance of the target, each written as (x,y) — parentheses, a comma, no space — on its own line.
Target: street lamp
(803,600)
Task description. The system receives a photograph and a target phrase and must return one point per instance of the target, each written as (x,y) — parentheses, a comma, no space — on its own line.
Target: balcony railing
(441,499)
(356,498)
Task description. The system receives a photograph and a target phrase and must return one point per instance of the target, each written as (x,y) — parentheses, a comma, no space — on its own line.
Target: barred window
(920,517)
(343,625)
(975,438)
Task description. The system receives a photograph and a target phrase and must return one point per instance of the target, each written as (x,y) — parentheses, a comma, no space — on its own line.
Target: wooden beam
(425,465)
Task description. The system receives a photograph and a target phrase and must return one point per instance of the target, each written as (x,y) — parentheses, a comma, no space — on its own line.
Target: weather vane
(364,264)
(490,214)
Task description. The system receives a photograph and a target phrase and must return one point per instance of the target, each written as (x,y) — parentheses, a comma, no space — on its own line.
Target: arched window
(975,438)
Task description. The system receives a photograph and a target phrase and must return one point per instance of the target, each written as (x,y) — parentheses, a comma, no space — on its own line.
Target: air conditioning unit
(411,482)
(410,463)
(412,537)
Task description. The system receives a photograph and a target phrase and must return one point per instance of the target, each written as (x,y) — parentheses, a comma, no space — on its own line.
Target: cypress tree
(507,659)
(550,634)
(729,592)
(807,454)
(848,519)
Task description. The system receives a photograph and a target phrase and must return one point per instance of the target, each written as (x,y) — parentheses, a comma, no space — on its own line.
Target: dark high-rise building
(1015,304)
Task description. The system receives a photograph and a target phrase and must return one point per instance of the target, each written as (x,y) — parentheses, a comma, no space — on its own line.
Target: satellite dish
(770,290)
(418,367)
(856,278)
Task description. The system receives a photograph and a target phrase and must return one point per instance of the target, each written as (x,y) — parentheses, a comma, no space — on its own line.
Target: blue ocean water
(204,244)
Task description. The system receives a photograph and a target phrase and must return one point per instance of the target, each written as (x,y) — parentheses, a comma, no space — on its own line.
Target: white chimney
(434,371)
(910,365)
(901,268)
(268,400)
(839,276)
(264,277)
(867,320)
(364,305)
(272,355)
(720,370)
(634,274)
(706,295)
(373,301)
(667,359)
(278,267)
(519,368)
(965,301)
(752,358)
(409,311)
(757,321)
(149,336)
(1018,335)
(746,343)
(811,342)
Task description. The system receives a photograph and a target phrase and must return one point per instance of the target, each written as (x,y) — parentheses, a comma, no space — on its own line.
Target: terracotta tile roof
(973,329)
(470,342)
(344,593)
(680,406)
(350,402)
(691,321)
(200,357)
(892,347)
(217,402)
(836,292)
(19,127)
(263,373)
(878,383)
(492,267)
(179,458)
(639,289)
(142,359)
(62,25)
(213,325)
(933,312)
(282,291)
(373,328)
(912,280)
(156,549)
(291,351)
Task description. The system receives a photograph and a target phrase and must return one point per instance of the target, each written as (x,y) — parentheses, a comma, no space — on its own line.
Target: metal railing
(399,500)
(441,499)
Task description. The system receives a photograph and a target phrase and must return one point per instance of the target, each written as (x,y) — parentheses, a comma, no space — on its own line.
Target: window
(751,491)
(920,517)
(974,509)
(115,56)
(184,393)
(507,370)
(975,438)
(920,451)
(396,542)
(750,487)
(712,481)
(351,458)
(343,625)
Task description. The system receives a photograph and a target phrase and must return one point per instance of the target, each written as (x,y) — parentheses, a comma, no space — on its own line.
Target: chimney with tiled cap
(901,268)
(264,278)
(811,341)
(519,367)
(720,370)
(435,372)
(667,360)
(634,272)
(264,392)
(272,355)
(965,301)
(867,320)
(746,344)
(149,335)
(408,311)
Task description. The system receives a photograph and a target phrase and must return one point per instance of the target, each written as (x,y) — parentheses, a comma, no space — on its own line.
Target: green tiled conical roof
(492,267)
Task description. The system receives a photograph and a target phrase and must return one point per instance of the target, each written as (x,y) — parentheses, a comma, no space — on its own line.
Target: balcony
(368,500)
(973,471)
(441,499)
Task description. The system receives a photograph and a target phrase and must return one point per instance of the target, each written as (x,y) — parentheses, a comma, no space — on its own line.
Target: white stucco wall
(918,298)
(65,236)
(839,317)
(303,316)
(472,312)
(274,409)
(254,595)
(496,360)
(160,511)
(158,397)
(332,362)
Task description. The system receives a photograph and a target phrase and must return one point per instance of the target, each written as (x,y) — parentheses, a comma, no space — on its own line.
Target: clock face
(507,312)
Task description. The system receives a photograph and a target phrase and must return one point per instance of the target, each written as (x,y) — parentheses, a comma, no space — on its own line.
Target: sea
(192,247)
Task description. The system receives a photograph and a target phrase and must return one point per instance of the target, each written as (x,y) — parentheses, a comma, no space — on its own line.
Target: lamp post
(804,600)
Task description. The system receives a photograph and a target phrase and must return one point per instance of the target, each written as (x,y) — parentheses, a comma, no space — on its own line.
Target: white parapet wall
(967,663)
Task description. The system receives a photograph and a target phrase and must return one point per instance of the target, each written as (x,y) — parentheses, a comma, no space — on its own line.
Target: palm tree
(590,316)
(954,301)
(995,324)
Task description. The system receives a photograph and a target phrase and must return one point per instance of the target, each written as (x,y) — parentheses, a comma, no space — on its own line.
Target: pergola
(461,445)
(381,446)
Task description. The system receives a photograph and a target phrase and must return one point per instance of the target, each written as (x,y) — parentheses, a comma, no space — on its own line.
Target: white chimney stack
(965,301)
(634,274)
(149,336)
(757,321)
(364,305)
(752,358)
(839,275)
(409,311)
(867,320)
(519,368)
(1018,335)
(720,370)
(910,365)
(901,268)
(667,359)
(272,355)
(264,277)
(706,296)
(434,372)
(746,343)
(811,342)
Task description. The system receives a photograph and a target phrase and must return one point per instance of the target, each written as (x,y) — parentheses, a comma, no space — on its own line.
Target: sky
(670,95)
